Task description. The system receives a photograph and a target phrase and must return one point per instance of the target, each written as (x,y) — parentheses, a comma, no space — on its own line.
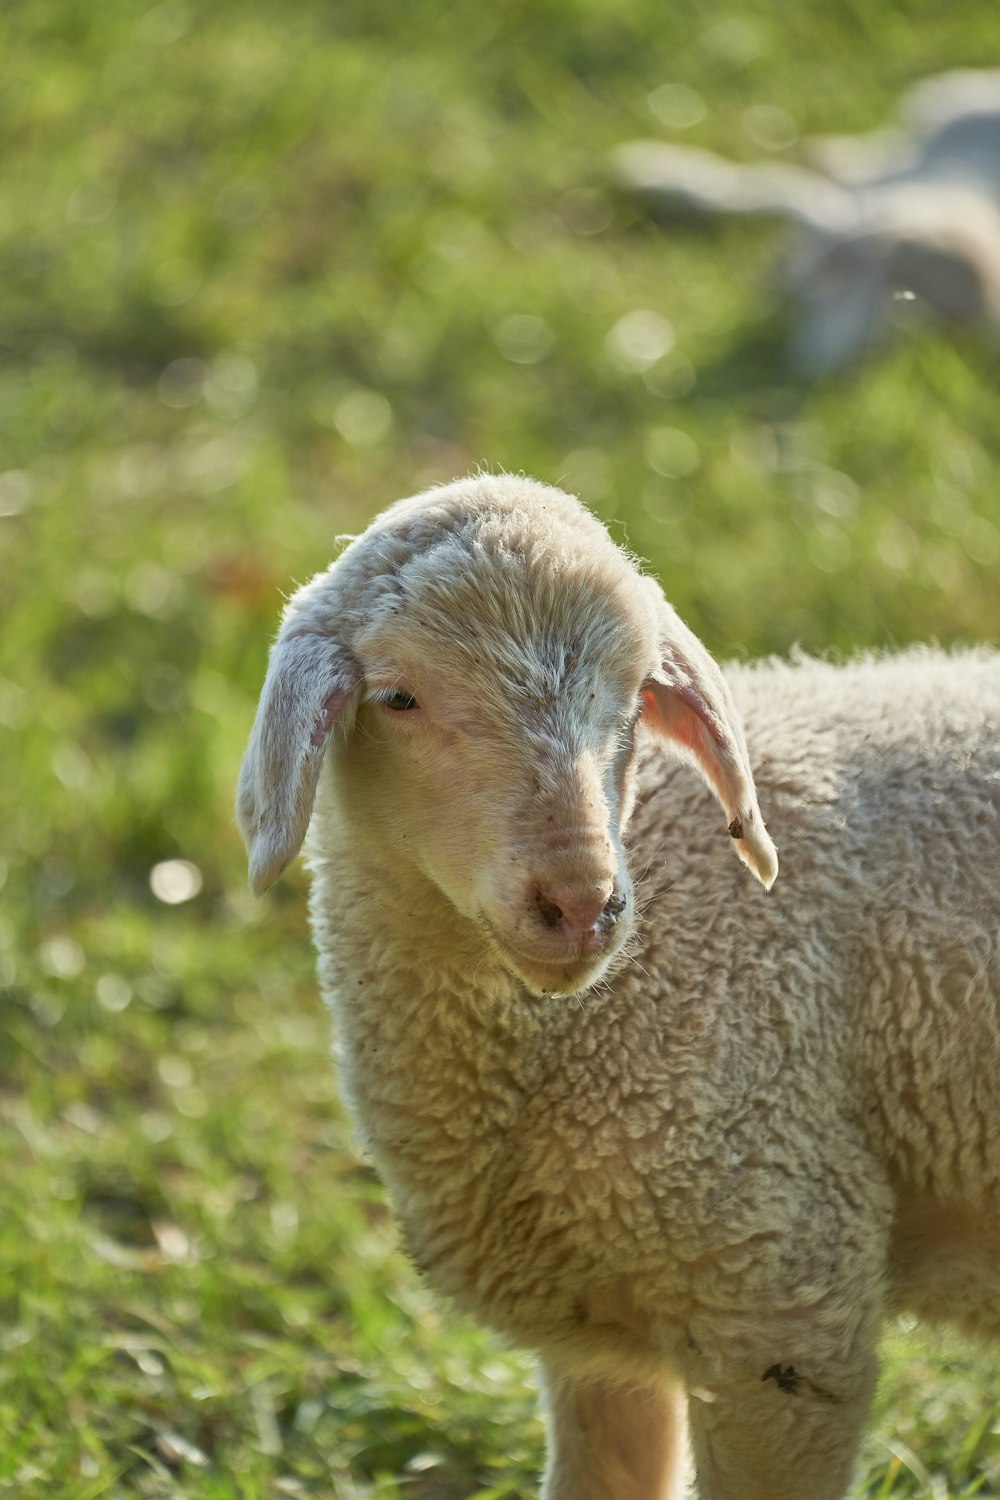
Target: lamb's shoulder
(878,950)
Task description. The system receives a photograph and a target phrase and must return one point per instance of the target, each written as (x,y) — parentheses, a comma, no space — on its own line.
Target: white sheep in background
(680,1137)
(911,213)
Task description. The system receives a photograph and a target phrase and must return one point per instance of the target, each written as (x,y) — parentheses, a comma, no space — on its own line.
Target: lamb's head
(477,666)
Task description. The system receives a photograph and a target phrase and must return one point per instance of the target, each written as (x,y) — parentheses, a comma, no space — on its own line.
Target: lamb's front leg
(780,1429)
(614,1442)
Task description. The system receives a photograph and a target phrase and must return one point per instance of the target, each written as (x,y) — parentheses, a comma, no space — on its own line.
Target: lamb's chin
(547,979)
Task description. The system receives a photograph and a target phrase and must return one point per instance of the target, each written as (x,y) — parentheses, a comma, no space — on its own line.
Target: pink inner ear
(683,715)
(331,708)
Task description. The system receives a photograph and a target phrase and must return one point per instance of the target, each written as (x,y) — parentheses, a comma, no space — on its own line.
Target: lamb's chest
(551,1226)
(533,1155)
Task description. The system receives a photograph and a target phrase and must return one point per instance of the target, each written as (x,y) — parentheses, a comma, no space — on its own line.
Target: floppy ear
(687,701)
(310,684)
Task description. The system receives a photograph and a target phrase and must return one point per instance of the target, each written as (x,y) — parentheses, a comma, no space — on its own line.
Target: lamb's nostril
(578,912)
(550,913)
(613,909)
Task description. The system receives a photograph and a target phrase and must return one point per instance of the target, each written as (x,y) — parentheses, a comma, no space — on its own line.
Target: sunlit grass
(263,271)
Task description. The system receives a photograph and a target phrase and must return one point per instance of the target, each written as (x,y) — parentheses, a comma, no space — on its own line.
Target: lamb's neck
(391,934)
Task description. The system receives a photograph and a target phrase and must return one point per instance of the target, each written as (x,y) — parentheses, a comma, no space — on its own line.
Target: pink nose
(583,916)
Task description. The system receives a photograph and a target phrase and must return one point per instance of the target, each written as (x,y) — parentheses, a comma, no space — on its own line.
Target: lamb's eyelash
(385,697)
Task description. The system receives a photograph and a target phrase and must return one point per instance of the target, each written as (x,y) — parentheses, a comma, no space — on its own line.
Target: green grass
(265,269)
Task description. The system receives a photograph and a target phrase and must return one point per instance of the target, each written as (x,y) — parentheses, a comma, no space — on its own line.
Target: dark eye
(399,701)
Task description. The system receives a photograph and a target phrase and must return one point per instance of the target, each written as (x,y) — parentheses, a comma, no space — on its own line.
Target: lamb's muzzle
(567,933)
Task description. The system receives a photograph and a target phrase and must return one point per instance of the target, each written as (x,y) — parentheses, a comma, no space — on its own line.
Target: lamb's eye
(400,701)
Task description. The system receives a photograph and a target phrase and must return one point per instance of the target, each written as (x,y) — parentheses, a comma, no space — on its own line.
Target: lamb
(687,1137)
(912,213)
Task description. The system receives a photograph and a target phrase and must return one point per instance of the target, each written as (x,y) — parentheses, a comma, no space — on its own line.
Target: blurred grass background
(264,269)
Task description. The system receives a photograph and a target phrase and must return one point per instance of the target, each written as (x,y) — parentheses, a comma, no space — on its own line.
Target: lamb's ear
(310,684)
(687,701)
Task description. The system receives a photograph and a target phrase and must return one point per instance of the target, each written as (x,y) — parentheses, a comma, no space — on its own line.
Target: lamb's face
(493,751)
(476,664)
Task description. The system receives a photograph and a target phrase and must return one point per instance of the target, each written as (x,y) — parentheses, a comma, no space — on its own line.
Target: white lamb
(911,213)
(682,1138)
